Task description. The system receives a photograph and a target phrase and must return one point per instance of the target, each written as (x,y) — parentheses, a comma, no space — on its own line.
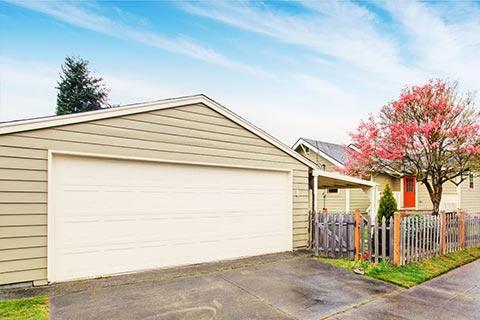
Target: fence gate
(334,235)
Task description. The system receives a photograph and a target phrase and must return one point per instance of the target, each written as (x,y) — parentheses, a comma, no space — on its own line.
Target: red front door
(409,191)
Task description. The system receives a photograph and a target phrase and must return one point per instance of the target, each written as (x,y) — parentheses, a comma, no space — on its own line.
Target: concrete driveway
(283,286)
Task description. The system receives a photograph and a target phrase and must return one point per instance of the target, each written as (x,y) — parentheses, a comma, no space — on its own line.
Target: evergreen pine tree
(78,91)
(388,205)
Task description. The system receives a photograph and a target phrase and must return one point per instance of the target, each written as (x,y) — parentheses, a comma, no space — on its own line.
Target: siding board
(23,219)
(22,175)
(26,242)
(186,124)
(22,231)
(23,197)
(23,186)
(174,113)
(144,126)
(24,253)
(23,163)
(23,208)
(23,152)
(21,276)
(21,265)
(171,139)
(200,109)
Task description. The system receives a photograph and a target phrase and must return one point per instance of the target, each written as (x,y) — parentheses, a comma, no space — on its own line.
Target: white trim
(18,126)
(320,153)
(417,184)
(50,204)
(470,174)
(347,200)
(50,219)
(290,209)
(341,177)
(401,193)
(315,194)
(110,156)
(459,192)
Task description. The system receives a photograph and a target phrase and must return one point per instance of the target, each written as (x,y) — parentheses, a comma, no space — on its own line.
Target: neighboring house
(144,186)
(410,194)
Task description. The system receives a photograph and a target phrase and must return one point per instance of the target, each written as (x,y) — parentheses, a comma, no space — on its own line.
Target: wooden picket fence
(400,240)
(420,238)
(334,235)
(376,239)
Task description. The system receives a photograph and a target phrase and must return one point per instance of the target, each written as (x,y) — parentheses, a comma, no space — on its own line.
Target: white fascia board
(341,177)
(48,122)
(314,149)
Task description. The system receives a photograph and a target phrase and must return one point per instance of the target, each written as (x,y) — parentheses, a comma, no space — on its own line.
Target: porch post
(315,193)
(372,196)
(315,212)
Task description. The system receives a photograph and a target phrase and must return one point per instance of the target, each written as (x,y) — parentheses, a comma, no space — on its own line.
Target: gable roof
(334,150)
(53,121)
(335,153)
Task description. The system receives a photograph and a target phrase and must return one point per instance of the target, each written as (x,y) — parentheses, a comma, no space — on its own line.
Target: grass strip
(414,273)
(25,309)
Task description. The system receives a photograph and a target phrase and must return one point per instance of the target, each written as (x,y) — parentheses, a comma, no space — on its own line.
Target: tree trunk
(435,193)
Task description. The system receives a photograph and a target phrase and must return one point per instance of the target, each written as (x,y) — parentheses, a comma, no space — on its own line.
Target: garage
(143,186)
(112,215)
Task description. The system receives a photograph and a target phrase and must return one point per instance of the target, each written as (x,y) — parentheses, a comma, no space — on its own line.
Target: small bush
(388,205)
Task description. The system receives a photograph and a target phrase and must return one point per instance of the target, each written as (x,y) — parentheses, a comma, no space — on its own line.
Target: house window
(410,185)
(471,182)
(332,191)
(307,150)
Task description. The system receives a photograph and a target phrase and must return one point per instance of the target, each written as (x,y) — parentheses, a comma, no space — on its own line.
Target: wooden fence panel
(334,235)
(421,236)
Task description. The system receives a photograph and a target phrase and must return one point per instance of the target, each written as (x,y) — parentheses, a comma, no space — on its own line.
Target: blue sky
(300,68)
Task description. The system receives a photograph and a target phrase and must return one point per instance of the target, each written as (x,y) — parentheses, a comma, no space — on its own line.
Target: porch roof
(336,180)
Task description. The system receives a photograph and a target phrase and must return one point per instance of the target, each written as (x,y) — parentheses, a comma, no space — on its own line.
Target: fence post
(357,234)
(462,228)
(396,238)
(443,232)
(316,232)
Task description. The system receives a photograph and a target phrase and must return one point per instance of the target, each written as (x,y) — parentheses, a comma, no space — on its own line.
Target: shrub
(388,205)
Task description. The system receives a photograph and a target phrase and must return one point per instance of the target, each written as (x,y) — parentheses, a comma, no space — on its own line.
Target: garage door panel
(113,216)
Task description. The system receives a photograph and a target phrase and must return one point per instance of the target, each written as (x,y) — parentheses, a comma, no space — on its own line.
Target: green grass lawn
(25,309)
(414,273)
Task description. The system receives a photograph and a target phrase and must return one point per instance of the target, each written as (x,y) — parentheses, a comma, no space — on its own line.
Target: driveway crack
(256,296)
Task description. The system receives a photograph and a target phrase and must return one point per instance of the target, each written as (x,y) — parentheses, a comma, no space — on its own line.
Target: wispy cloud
(442,38)
(82,15)
(356,37)
(342,30)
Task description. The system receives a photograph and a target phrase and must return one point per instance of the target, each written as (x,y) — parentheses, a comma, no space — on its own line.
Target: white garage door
(112,216)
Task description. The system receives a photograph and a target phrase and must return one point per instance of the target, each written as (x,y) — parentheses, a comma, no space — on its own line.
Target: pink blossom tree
(431,132)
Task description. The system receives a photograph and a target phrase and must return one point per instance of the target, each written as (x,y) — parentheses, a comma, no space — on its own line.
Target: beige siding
(316,158)
(337,202)
(359,200)
(383,179)
(333,202)
(193,133)
(424,202)
(470,198)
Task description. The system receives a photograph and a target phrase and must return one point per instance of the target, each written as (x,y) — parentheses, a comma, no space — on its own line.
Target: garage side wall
(193,133)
